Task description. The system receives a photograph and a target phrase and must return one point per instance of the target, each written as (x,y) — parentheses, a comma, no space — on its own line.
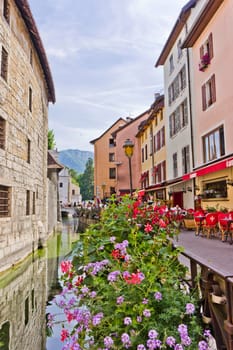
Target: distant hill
(75,159)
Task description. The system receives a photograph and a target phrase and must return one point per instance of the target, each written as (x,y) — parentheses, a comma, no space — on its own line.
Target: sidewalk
(211,252)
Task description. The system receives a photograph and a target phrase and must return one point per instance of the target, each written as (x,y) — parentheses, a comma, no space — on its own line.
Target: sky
(102,56)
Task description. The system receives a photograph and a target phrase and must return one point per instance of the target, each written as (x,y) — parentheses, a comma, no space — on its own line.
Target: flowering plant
(126,289)
(205,61)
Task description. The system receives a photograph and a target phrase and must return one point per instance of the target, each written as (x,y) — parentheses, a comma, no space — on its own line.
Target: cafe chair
(211,224)
(223,225)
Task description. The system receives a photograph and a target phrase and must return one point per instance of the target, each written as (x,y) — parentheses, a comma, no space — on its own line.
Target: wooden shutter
(213,88)
(211,49)
(201,51)
(163,136)
(203,88)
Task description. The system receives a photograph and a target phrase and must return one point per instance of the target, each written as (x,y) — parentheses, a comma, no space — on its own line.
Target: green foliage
(128,274)
(74,176)
(51,140)
(86,181)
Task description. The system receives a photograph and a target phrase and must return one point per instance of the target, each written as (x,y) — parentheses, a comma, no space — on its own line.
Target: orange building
(105,166)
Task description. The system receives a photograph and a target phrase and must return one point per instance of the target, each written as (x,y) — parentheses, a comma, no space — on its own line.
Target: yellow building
(153,152)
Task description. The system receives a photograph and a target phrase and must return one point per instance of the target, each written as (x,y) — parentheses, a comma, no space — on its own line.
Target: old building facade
(26,88)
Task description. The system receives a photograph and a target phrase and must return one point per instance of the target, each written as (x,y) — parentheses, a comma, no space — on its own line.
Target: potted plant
(205,61)
(189,222)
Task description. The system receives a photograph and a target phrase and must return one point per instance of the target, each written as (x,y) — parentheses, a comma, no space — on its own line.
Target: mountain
(75,159)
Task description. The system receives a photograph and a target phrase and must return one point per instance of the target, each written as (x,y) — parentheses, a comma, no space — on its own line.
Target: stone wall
(20,233)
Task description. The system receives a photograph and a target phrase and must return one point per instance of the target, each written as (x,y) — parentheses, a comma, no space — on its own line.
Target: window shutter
(211,49)
(163,136)
(164,169)
(201,51)
(154,143)
(170,125)
(203,88)
(213,88)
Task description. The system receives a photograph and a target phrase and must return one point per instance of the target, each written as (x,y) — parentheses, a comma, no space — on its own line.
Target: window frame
(5,201)
(112,173)
(207,142)
(2,133)
(4,64)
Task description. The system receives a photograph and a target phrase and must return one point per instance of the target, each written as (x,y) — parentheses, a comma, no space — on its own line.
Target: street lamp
(128,147)
(103,189)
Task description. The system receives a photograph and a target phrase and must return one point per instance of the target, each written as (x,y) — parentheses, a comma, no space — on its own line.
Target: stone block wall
(20,232)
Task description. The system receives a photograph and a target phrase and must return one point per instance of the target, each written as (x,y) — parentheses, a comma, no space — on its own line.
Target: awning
(226,163)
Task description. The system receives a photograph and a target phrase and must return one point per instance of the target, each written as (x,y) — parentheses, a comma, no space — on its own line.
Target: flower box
(205,61)
(189,224)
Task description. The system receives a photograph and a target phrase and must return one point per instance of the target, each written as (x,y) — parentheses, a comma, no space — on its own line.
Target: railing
(216,290)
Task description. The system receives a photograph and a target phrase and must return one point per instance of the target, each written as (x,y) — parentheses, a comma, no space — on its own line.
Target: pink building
(212,55)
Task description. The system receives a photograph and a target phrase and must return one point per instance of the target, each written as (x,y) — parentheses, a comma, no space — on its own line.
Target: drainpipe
(191,117)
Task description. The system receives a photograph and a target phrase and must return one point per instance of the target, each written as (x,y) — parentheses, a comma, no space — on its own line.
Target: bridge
(68,212)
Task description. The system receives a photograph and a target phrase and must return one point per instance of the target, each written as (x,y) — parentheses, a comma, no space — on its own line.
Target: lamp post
(103,189)
(128,147)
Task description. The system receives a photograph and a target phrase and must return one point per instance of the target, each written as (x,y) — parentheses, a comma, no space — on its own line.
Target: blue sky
(102,55)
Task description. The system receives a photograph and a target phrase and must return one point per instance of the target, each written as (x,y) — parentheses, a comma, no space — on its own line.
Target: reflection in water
(25,290)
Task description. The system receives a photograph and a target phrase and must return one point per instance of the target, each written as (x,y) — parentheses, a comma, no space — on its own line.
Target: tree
(51,140)
(74,175)
(86,181)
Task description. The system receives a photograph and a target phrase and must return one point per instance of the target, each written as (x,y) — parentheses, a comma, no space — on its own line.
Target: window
(111,157)
(184,113)
(207,47)
(112,173)
(6,10)
(179,50)
(214,145)
(2,133)
(112,143)
(60,184)
(146,153)
(179,118)
(28,151)
(216,189)
(185,160)
(26,311)
(208,93)
(143,155)
(112,190)
(171,64)
(31,57)
(178,84)
(27,202)
(73,192)
(4,64)
(175,168)
(30,99)
(33,203)
(4,201)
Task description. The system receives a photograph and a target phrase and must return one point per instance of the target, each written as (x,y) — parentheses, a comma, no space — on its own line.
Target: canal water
(26,293)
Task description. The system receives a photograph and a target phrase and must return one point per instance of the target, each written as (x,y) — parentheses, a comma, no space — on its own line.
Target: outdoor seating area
(214,224)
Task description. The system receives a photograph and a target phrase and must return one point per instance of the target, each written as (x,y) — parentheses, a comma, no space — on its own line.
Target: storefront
(214,184)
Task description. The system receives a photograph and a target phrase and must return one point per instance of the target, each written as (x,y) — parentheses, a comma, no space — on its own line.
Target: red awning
(226,163)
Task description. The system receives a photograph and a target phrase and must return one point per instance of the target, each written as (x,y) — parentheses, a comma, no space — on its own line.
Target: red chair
(223,225)
(211,224)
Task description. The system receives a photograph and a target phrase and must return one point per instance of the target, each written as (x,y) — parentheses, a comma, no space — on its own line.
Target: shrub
(126,287)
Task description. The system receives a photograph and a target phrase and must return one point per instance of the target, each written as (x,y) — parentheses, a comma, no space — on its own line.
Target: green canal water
(26,293)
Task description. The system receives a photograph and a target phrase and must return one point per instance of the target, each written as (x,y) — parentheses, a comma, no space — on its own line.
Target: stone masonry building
(26,88)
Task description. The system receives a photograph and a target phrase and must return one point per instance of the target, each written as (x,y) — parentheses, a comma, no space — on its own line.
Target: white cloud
(102,55)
